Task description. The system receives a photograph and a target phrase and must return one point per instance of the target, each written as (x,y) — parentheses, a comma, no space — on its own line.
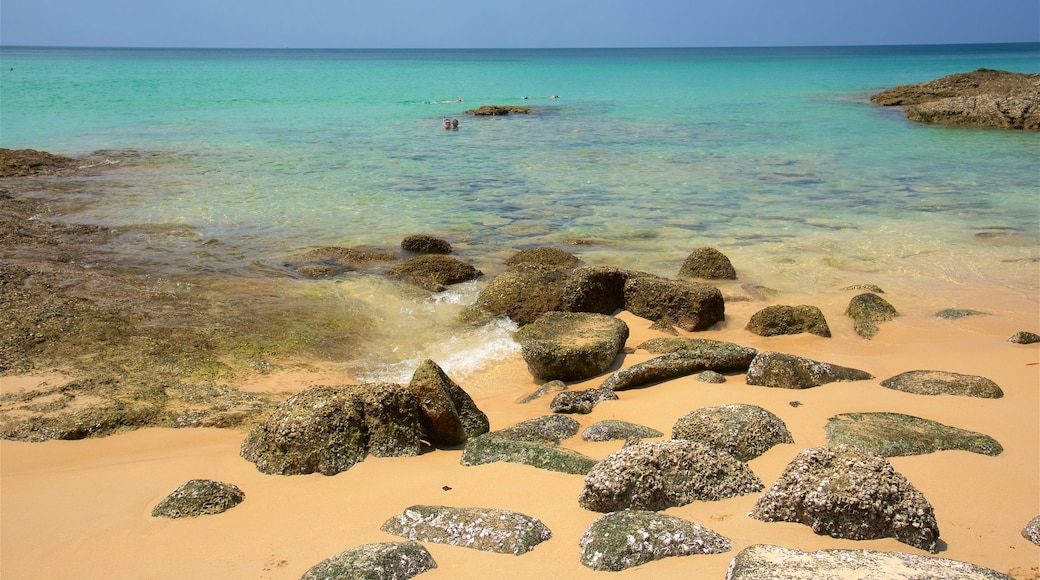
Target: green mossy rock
(895,434)
(944,383)
(382,561)
(625,539)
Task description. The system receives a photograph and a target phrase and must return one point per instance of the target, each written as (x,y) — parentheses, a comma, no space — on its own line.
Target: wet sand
(81,509)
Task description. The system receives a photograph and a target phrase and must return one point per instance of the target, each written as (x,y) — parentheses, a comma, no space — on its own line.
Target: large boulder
(599,289)
(328,429)
(765,562)
(199,497)
(447,413)
(434,272)
(382,561)
(867,310)
(743,431)
(707,263)
(688,305)
(944,383)
(895,434)
(571,345)
(625,539)
(485,529)
(845,492)
(658,475)
(523,293)
(782,319)
(787,371)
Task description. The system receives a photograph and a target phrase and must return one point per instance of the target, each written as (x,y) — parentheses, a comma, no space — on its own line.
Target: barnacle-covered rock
(944,383)
(485,529)
(895,434)
(382,561)
(614,429)
(787,371)
(629,538)
(199,497)
(580,402)
(743,431)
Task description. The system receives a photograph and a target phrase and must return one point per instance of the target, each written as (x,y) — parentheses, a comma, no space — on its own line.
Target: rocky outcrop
(484,529)
(23,162)
(499,110)
(687,305)
(199,497)
(845,492)
(571,346)
(867,310)
(743,431)
(425,244)
(707,263)
(696,355)
(658,475)
(434,272)
(328,429)
(982,98)
(944,383)
(385,560)
(787,371)
(764,562)
(895,434)
(447,413)
(782,319)
(614,429)
(625,539)
(580,402)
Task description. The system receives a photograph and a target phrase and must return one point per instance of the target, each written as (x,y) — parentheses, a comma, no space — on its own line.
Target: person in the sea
(447,123)
(454,124)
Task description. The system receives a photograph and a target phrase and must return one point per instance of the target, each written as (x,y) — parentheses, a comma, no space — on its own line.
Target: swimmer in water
(447,124)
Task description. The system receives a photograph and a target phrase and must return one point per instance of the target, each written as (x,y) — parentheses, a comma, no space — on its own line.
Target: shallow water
(241,159)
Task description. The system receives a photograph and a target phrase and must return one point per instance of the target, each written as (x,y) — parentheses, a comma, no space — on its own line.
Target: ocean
(238,160)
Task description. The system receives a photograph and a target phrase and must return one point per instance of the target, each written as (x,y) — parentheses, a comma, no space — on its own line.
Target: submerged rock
(774,369)
(895,434)
(199,497)
(688,305)
(944,383)
(425,244)
(499,110)
(580,402)
(434,272)
(867,311)
(382,561)
(570,345)
(484,529)
(845,492)
(782,319)
(625,539)
(614,429)
(707,263)
(743,431)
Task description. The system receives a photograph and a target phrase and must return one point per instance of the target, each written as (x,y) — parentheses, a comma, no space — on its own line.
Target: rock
(523,293)
(710,377)
(868,287)
(329,259)
(484,529)
(1025,337)
(866,311)
(658,475)
(944,383)
(764,562)
(1032,530)
(544,257)
(199,497)
(24,162)
(895,434)
(982,98)
(546,429)
(425,244)
(774,369)
(781,319)
(955,313)
(382,561)
(688,305)
(743,431)
(723,357)
(599,289)
(845,492)
(614,429)
(434,272)
(447,413)
(580,402)
(707,263)
(704,355)
(544,390)
(571,345)
(499,110)
(328,429)
(494,447)
(622,540)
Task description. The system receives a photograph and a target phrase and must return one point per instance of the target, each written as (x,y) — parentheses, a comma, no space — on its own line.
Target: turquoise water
(774,156)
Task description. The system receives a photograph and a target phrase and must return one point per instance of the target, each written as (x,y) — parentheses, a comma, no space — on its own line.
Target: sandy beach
(81,509)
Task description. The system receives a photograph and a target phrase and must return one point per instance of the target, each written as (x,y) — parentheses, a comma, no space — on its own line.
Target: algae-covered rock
(494,447)
(690,306)
(571,345)
(867,311)
(846,492)
(743,431)
(692,356)
(447,413)
(382,561)
(434,272)
(625,539)
(499,110)
(425,244)
(955,313)
(484,529)
(615,429)
(895,434)
(782,319)
(580,402)
(707,263)
(523,293)
(546,429)
(722,356)
(544,257)
(599,289)
(199,497)
(657,475)
(774,369)
(923,382)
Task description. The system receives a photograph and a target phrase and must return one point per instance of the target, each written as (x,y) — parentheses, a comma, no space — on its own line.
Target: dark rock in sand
(434,272)
(484,529)
(1032,531)
(691,356)
(580,402)
(523,293)
(199,497)
(1025,337)
(447,413)
(955,313)
(688,305)
(614,430)
(382,561)
(866,311)
(543,391)
(625,539)
(944,383)
(658,475)
(544,257)
(724,356)
(781,319)
(425,244)
(775,369)
(328,429)
(599,289)
(765,562)
(497,446)
(895,434)
(571,345)
(743,431)
(545,429)
(845,492)
(499,110)
(707,263)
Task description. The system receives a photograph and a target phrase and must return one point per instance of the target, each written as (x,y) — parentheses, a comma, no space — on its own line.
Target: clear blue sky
(520,23)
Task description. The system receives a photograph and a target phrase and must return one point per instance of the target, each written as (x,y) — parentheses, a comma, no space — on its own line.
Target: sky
(516,24)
